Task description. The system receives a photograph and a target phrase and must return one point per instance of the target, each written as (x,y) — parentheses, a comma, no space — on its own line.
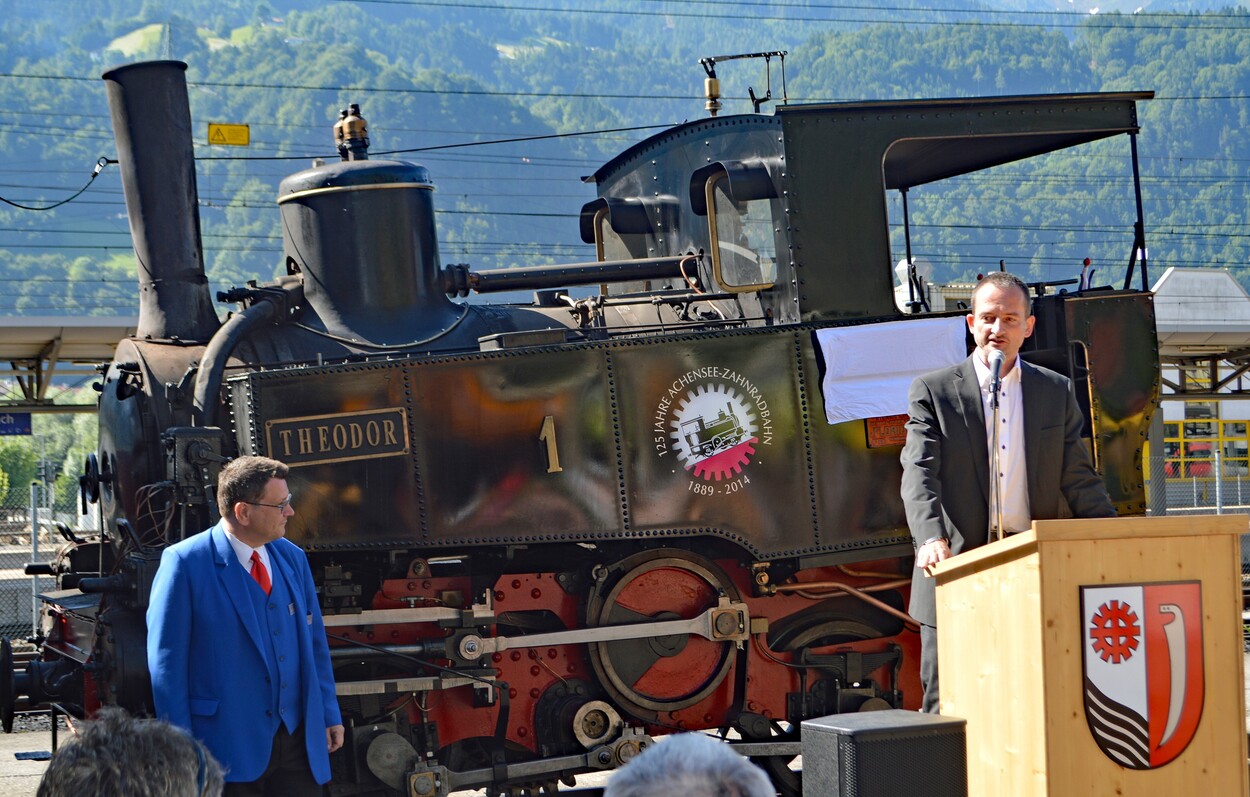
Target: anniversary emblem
(1144,685)
(711,420)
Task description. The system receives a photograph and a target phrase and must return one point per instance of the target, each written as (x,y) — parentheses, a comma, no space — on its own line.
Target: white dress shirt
(1011,454)
(244,552)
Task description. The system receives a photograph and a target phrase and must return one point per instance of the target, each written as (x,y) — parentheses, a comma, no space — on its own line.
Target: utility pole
(34,557)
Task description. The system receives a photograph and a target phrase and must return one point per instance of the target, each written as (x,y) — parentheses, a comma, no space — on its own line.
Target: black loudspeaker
(885,754)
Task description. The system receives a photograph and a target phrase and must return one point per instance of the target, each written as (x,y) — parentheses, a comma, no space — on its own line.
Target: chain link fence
(1198,490)
(1211,486)
(18,591)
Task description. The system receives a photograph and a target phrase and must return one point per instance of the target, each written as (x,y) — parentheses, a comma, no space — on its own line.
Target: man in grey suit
(1044,467)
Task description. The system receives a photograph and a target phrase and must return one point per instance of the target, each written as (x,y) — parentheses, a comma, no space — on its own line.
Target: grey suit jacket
(946,480)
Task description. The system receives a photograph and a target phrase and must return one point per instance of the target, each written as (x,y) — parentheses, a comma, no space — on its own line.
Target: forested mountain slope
(433,74)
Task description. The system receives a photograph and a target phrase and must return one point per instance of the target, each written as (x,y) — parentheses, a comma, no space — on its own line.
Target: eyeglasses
(282,507)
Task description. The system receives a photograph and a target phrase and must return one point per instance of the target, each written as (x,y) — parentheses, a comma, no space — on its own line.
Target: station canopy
(1202,316)
(35,349)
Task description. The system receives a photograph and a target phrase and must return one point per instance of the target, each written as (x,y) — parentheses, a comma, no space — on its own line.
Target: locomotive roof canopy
(1039,123)
(1042,123)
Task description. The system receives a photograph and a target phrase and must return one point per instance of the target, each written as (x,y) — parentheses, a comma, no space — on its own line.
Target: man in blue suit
(236,646)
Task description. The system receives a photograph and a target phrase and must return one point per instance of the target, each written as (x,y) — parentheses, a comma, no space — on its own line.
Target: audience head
(690,765)
(117,755)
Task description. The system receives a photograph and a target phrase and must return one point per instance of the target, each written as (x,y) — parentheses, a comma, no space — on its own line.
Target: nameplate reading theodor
(319,439)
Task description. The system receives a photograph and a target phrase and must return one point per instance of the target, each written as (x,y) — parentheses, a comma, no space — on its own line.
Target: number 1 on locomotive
(548,435)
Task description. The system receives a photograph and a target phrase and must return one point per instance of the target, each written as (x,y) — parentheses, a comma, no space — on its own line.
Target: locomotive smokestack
(152,125)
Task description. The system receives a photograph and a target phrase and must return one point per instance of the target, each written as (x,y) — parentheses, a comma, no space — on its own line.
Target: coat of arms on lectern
(1142,649)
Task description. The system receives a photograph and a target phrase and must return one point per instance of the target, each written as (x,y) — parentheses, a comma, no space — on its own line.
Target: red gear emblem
(727,463)
(1115,632)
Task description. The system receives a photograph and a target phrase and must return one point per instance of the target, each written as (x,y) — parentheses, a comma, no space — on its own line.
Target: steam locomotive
(545,534)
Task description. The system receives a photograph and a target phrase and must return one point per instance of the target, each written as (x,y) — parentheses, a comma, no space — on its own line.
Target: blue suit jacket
(208,660)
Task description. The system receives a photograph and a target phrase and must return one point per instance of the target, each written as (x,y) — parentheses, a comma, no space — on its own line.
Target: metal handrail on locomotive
(546,533)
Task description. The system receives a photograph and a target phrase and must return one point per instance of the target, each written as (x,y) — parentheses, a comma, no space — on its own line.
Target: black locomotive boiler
(545,534)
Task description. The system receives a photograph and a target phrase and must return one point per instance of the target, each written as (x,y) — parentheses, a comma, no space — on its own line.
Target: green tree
(19,462)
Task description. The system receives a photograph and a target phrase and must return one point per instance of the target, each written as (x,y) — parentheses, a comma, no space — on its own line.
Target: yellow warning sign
(229,135)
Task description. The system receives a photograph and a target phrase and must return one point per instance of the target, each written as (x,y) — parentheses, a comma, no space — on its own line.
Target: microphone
(996,495)
(996,373)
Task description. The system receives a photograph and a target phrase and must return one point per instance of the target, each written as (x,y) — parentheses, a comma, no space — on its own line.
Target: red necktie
(260,573)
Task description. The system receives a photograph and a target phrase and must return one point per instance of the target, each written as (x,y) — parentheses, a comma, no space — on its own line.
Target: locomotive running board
(478,679)
(762,749)
(478,614)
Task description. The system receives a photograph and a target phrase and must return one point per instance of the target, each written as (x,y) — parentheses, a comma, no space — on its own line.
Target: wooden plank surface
(992,671)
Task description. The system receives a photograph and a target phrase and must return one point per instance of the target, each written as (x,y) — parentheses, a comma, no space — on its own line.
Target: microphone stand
(995,468)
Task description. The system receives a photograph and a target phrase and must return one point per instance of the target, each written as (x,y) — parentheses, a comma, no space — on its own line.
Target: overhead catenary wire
(1077,20)
(518,93)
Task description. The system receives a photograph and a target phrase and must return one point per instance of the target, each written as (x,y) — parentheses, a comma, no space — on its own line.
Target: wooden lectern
(1099,657)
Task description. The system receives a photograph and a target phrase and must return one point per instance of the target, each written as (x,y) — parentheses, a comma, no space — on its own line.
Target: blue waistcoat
(276,617)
